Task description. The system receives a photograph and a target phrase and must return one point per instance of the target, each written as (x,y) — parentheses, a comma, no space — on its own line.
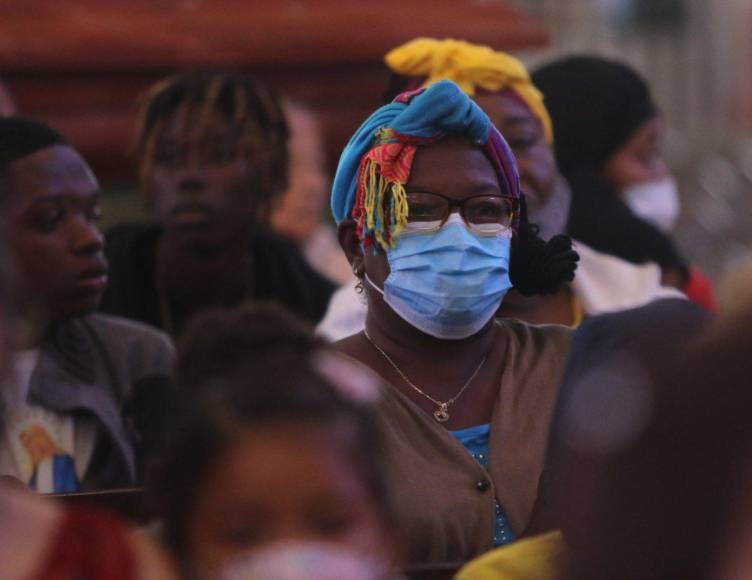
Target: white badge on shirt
(36,436)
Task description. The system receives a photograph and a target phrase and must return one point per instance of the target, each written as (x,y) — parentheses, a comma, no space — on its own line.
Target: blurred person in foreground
(657,485)
(427,199)
(274,467)
(85,391)
(299,215)
(39,539)
(213,159)
(500,85)
(625,202)
(607,395)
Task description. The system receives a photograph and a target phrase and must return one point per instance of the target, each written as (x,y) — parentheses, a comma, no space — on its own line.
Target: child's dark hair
(252,108)
(240,368)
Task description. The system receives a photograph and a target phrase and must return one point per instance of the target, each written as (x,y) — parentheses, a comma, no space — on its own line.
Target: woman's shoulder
(143,349)
(535,351)
(536,336)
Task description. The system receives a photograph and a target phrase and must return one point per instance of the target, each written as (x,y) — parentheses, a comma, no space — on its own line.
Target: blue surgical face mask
(448,284)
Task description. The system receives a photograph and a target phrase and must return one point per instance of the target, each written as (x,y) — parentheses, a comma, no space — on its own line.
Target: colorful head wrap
(374,167)
(471,66)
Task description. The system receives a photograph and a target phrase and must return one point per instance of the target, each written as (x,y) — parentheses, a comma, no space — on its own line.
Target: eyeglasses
(485,215)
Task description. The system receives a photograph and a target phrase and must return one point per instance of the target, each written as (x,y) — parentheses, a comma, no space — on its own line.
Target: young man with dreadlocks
(213,158)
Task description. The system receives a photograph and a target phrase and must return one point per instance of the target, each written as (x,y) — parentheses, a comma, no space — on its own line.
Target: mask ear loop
(372,284)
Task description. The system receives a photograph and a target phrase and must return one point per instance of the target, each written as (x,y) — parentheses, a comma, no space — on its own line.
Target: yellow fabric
(537,558)
(470,66)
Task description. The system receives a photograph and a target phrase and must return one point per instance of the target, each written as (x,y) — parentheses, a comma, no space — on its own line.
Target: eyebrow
(61,197)
(519,121)
(478,188)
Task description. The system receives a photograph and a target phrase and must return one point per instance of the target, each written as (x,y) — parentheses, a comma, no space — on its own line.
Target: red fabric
(700,291)
(393,159)
(89,545)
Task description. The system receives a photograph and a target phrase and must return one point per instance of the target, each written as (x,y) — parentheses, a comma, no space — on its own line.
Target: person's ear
(348,239)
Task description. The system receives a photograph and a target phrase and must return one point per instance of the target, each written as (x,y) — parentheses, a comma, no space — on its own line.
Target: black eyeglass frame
(460,204)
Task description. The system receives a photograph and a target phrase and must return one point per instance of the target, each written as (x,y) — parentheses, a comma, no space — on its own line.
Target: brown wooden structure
(81,64)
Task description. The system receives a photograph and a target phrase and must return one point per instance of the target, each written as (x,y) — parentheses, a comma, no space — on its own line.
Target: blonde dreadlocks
(252,110)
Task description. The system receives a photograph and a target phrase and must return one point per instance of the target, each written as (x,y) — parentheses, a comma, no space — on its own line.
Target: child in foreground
(273,468)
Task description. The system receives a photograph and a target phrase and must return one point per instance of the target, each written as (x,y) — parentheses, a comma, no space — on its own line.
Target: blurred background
(82,65)
(697,58)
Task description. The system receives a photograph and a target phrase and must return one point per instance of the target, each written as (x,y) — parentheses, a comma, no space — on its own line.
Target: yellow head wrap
(470,66)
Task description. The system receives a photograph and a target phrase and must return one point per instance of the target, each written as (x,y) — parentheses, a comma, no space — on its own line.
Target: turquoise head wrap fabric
(375,165)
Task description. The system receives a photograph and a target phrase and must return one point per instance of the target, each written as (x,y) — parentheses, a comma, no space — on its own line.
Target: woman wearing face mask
(624,200)
(427,199)
(501,86)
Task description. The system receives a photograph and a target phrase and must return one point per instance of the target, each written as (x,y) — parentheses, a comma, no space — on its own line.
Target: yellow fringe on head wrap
(470,66)
(381,200)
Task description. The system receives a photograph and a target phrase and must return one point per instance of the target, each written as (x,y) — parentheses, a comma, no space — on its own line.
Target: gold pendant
(441,414)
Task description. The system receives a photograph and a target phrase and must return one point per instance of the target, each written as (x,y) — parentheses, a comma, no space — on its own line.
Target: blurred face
(282,481)
(200,182)
(57,248)
(546,193)
(301,206)
(639,159)
(524,133)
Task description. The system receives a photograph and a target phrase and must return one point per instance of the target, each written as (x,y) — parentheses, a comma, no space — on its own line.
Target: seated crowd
(521,379)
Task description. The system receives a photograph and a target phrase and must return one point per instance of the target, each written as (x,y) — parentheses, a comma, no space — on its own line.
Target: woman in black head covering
(607,134)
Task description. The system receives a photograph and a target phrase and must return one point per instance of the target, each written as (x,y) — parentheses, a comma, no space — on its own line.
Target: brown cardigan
(444,499)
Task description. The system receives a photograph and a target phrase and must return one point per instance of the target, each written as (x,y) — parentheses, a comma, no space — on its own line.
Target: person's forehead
(647,135)
(198,123)
(52,171)
(452,164)
(505,108)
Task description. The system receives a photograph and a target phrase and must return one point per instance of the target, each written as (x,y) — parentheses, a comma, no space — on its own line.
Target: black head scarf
(596,105)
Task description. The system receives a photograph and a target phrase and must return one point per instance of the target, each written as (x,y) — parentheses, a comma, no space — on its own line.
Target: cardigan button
(481,485)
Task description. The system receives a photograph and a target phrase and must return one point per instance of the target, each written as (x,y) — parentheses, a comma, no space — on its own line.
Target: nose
(660,169)
(190,184)
(86,237)
(191,180)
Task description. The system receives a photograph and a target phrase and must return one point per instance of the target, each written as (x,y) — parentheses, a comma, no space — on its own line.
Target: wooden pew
(129,503)
(81,64)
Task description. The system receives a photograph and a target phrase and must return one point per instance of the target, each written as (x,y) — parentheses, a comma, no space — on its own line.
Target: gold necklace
(442,413)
